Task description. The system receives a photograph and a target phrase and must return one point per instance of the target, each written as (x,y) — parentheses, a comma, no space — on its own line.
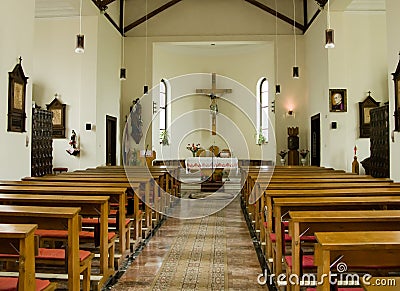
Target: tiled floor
(243,267)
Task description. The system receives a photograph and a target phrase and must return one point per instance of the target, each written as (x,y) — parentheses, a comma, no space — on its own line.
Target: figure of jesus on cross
(212,93)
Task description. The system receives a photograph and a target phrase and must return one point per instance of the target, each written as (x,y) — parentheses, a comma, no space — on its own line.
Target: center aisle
(211,253)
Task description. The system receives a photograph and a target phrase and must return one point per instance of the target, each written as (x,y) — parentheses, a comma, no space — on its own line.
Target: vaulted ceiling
(127,15)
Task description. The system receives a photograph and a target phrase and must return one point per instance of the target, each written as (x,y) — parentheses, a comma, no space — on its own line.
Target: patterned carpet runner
(197,259)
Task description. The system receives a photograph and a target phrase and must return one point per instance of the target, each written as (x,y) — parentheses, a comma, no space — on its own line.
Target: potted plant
(164,139)
(303,154)
(261,139)
(283,154)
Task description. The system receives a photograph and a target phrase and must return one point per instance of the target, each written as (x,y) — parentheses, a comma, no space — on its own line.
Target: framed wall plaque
(396,79)
(58,110)
(337,100)
(16,99)
(365,120)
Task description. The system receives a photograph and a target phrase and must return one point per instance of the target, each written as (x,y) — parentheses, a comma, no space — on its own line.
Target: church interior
(199,145)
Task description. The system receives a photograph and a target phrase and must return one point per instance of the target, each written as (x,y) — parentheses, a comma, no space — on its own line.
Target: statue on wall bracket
(136,120)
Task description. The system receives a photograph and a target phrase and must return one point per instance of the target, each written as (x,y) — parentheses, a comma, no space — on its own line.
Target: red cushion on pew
(340,289)
(53,233)
(285,224)
(308,261)
(272,236)
(10,284)
(94,221)
(309,238)
(59,254)
(54,254)
(90,235)
(113,212)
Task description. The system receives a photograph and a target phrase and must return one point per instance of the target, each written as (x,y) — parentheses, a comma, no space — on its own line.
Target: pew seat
(288,238)
(84,236)
(340,289)
(307,262)
(11,284)
(94,222)
(47,256)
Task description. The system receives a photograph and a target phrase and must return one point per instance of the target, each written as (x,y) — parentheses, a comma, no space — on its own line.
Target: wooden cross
(212,93)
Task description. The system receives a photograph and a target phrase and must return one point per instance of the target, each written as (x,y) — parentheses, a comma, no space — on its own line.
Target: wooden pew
(90,206)
(115,194)
(129,186)
(144,181)
(283,205)
(24,233)
(316,220)
(51,218)
(363,248)
(297,189)
(268,196)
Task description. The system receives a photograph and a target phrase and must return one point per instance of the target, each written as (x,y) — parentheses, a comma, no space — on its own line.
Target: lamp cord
(145,60)
(123,34)
(276,42)
(328,16)
(294,33)
(80,18)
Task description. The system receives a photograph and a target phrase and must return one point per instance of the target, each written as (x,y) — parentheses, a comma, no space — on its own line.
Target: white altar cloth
(210,162)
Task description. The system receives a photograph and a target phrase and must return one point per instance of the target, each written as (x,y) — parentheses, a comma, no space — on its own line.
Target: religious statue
(73,142)
(136,121)
(212,93)
(293,146)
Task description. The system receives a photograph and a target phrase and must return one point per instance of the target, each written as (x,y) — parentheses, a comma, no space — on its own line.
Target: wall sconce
(290,113)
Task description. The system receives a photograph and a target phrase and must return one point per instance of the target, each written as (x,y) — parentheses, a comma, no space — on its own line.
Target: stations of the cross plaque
(213,94)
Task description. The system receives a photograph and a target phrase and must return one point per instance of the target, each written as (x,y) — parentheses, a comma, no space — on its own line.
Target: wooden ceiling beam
(275,13)
(151,14)
(312,19)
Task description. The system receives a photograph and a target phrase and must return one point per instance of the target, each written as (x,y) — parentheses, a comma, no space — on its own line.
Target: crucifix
(212,93)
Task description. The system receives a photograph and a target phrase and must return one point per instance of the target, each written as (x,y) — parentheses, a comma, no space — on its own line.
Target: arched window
(262,111)
(164,96)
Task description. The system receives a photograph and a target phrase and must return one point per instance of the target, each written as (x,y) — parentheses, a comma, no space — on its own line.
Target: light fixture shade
(329,41)
(80,43)
(146,89)
(296,72)
(122,74)
(277,89)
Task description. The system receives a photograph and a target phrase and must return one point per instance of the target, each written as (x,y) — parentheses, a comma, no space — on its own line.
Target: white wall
(88,83)
(16,35)
(108,86)
(246,68)
(358,64)
(393,47)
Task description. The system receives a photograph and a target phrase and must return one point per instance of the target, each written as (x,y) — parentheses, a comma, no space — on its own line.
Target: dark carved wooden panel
(379,142)
(42,143)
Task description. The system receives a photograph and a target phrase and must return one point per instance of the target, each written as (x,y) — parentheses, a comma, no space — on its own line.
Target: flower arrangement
(283,153)
(193,148)
(164,139)
(304,153)
(261,139)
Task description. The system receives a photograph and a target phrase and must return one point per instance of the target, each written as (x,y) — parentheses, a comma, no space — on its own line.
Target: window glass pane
(162,119)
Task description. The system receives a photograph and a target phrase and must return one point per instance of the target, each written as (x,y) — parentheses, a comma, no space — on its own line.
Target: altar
(211,169)
(197,163)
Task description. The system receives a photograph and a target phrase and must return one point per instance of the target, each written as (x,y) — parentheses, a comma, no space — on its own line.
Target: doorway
(316,140)
(111,140)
